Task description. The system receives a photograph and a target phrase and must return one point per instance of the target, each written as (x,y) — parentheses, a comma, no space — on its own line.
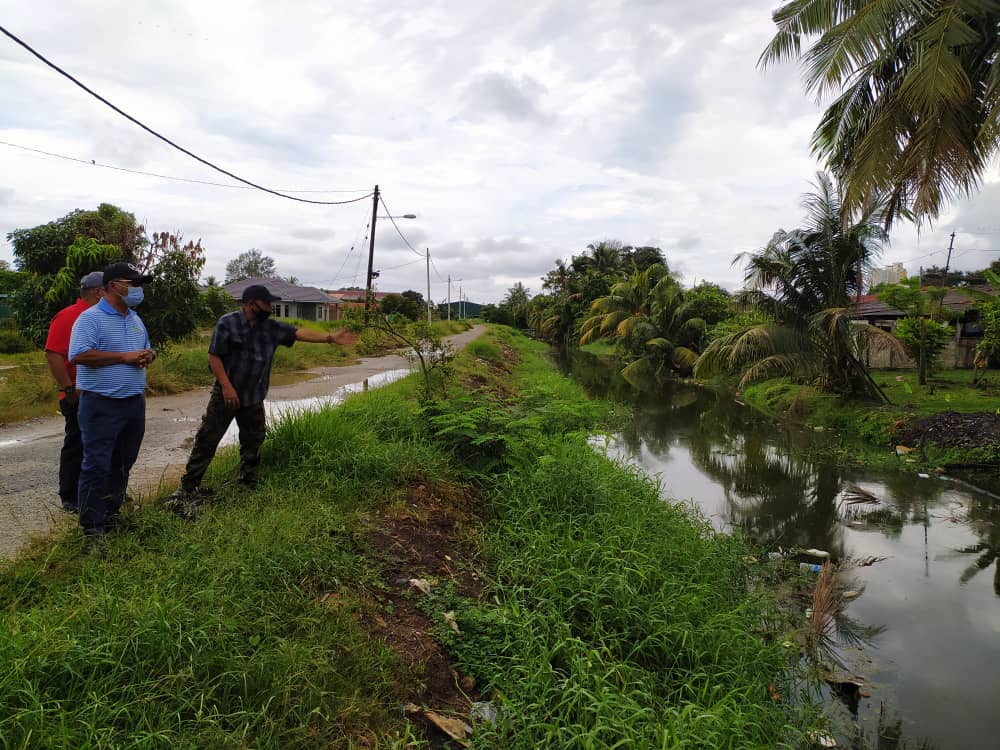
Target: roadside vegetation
(27,390)
(557,587)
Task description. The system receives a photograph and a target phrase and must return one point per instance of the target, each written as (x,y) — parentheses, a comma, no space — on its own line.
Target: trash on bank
(457,729)
(483,711)
(924,476)
(421,585)
(822,739)
(813,552)
(449,620)
(811,567)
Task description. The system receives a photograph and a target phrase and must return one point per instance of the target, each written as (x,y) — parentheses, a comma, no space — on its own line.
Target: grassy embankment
(27,390)
(881,426)
(593,614)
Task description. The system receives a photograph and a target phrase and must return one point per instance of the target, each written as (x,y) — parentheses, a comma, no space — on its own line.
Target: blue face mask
(135,296)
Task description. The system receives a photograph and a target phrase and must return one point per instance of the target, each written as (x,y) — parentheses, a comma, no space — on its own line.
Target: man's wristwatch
(69,390)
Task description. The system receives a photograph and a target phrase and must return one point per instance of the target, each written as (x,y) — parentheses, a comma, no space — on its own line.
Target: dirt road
(29,451)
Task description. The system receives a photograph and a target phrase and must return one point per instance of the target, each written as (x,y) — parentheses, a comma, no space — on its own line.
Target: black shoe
(183,503)
(119,524)
(93,541)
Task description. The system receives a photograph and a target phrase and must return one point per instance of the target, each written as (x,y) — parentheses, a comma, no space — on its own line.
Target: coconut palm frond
(795,365)
(683,359)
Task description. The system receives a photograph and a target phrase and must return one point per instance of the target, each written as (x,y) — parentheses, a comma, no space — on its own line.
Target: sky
(516,132)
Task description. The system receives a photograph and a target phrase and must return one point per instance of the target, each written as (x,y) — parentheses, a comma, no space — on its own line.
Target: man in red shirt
(64,373)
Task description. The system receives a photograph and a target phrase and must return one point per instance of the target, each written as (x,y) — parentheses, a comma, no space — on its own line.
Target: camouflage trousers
(218,417)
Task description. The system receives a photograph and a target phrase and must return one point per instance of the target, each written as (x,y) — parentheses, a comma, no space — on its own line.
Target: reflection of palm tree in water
(774,496)
(984,520)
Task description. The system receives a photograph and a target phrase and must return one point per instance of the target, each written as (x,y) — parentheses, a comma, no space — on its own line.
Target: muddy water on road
(930,612)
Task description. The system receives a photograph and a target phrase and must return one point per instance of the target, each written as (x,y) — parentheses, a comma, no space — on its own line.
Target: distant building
(959,353)
(887,275)
(302,302)
(353,298)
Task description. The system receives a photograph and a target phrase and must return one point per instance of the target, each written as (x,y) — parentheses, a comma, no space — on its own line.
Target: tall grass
(613,619)
(213,634)
(609,619)
(27,391)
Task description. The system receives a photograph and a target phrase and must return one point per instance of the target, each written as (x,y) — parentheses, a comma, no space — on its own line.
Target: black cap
(123,270)
(258,291)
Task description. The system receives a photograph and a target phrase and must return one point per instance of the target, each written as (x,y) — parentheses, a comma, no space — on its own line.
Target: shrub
(12,342)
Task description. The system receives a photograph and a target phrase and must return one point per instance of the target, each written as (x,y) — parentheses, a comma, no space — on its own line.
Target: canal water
(923,636)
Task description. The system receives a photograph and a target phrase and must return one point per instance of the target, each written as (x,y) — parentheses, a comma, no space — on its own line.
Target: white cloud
(516,134)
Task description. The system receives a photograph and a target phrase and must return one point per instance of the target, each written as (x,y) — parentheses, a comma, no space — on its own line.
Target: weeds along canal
(923,635)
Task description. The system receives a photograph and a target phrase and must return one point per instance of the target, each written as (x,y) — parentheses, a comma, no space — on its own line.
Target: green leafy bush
(12,342)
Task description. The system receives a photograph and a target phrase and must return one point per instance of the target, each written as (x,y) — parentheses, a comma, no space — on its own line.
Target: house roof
(287,292)
(355,295)
(955,300)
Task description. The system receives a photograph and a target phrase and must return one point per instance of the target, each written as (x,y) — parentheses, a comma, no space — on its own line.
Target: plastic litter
(924,476)
(421,585)
(449,620)
(483,711)
(813,552)
(811,567)
(822,739)
(775,555)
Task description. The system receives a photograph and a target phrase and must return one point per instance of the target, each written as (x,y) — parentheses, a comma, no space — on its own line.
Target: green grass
(601,347)
(880,426)
(608,619)
(214,634)
(612,619)
(28,390)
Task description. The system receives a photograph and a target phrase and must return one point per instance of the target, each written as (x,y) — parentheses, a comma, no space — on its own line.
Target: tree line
(793,318)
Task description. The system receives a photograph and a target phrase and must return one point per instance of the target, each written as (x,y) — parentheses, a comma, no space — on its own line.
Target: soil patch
(425,536)
(953,430)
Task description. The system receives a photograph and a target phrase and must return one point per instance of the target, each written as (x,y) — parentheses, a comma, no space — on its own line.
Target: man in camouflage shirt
(240,356)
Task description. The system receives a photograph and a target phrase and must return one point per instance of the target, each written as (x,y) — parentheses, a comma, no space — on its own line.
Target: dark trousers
(70,456)
(218,417)
(112,430)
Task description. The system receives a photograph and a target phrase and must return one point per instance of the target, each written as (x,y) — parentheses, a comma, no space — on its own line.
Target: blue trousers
(112,431)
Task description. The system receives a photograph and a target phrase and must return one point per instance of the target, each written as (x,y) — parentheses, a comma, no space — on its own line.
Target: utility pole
(428,251)
(371,257)
(947,263)
(460,301)
(449,296)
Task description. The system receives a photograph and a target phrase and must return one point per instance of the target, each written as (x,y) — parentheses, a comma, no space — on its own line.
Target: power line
(167,140)
(92,163)
(434,266)
(401,265)
(398,231)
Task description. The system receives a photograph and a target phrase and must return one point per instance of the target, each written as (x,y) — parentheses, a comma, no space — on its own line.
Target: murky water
(930,610)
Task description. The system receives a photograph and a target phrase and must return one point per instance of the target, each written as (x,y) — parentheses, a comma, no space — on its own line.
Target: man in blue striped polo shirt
(111,350)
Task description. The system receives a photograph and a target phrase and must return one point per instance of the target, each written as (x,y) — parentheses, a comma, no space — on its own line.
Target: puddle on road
(277,410)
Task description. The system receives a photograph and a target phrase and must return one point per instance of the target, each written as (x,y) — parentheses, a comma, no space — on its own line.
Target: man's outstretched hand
(343,337)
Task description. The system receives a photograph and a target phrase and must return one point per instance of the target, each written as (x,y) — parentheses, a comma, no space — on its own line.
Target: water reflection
(935,599)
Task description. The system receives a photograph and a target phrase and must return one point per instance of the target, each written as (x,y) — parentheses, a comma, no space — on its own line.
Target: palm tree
(645,314)
(918,93)
(606,255)
(804,280)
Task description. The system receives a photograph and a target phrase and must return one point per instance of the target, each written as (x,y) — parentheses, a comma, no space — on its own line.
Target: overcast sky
(517,132)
